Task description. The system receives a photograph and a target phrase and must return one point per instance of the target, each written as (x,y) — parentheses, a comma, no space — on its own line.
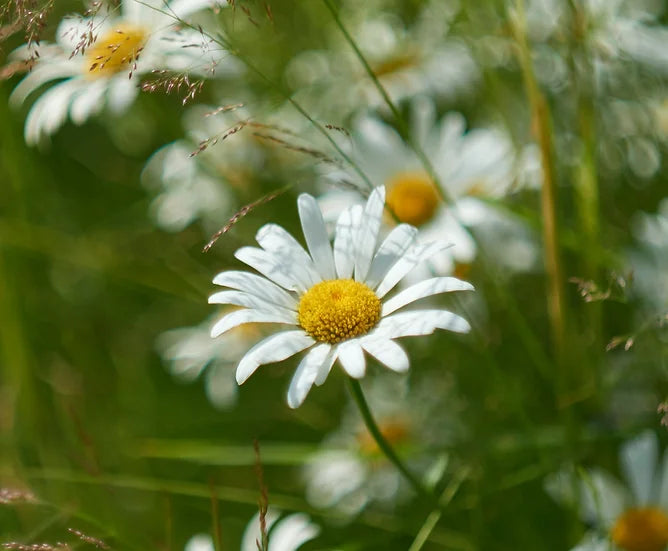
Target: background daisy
(99,60)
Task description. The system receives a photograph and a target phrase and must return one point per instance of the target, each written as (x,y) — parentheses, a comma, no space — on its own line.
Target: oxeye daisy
(349,471)
(629,517)
(99,59)
(471,166)
(335,297)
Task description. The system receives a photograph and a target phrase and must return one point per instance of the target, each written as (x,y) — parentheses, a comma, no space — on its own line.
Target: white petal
(425,288)
(200,542)
(639,457)
(279,270)
(240,317)
(50,111)
(184,8)
(393,247)
(315,234)
(239,298)
(253,532)
(408,261)
(663,488)
(326,367)
(387,352)
(420,322)
(121,92)
(44,72)
(347,227)
(279,242)
(276,348)
(59,98)
(306,374)
(351,356)
(602,498)
(291,532)
(256,285)
(88,102)
(367,234)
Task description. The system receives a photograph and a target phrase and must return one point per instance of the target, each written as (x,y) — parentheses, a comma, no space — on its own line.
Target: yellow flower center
(395,431)
(115,51)
(395,64)
(412,197)
(641,529)
(338,309)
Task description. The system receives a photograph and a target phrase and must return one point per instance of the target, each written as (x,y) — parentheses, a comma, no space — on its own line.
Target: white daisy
(141,38)
(349,472)
(190,351)
(200,187)
(631,517)
(469,165)
(336,299)
(285,534)
(407,59)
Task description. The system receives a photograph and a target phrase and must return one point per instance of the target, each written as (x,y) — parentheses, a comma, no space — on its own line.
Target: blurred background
(119,418)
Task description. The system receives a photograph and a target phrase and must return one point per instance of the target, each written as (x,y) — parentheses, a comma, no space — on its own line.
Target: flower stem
(383,444)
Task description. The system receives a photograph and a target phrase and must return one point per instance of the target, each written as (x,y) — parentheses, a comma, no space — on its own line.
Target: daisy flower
(469,165)
(336,299)
(631,516)
(285,534)
(93,58)
(422,56)
(349,472)
(190,352)
(200,186)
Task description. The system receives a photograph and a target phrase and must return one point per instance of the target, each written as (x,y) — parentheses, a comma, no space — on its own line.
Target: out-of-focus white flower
(99,59)
(612,29)
(469,164)
(196,176)
(335,298)
(350,473)
(200,542)
(190,351)
(420,58)
(285,534)
(650,261)
(631,517)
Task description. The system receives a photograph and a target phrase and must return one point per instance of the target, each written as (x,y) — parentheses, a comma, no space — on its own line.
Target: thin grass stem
(412,142)
(542,124)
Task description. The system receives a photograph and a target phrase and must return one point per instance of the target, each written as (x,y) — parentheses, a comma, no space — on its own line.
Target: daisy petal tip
(304,200)
(461,326)
(242,375)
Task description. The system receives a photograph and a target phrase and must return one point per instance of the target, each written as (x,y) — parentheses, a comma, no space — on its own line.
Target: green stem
(426,530)
(383,444)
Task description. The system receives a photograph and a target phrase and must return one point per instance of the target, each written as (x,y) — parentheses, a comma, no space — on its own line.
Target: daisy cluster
(429,185)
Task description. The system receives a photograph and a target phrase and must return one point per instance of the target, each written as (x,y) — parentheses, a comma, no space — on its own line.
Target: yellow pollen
(115,51)
(641,529)
(338,309)
(412,197)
